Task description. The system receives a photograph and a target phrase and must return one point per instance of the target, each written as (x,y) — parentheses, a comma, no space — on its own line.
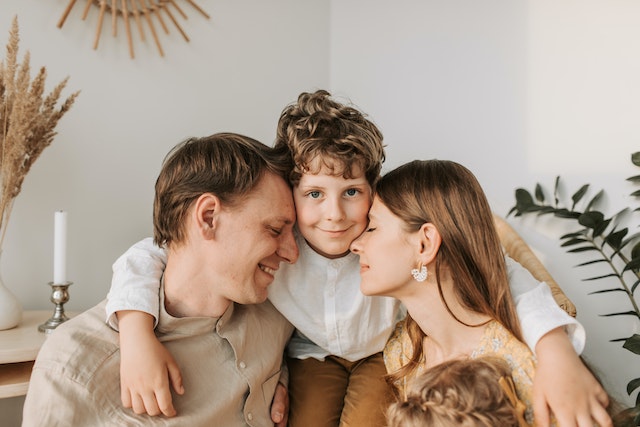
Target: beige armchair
(518,250)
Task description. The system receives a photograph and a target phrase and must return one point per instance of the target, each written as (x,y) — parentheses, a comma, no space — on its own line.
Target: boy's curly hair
(321,132)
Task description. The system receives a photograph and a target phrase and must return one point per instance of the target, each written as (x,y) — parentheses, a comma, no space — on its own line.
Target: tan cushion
(518,250)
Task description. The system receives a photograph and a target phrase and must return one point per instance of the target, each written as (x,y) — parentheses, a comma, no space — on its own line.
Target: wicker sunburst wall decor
(136,13)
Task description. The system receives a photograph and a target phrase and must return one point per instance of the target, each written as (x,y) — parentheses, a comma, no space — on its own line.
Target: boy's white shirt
(321,297)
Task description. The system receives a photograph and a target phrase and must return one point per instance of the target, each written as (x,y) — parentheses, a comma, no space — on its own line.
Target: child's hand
(280,406)
(146,368)
(564,386)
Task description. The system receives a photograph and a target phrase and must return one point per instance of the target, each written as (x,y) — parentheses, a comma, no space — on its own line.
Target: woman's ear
(205,212)
(430,241)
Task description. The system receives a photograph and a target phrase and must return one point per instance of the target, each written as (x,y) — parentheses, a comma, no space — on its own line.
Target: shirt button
(250,416)
(242,366)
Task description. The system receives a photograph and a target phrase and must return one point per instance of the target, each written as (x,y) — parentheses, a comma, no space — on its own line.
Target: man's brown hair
(225,164)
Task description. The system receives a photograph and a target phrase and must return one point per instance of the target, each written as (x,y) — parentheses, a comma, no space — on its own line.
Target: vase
(10,307)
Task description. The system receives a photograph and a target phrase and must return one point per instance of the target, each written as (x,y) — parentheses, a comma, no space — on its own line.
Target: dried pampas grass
(27,122)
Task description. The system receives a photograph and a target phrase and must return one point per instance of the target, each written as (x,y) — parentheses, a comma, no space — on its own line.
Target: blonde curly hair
(460,393)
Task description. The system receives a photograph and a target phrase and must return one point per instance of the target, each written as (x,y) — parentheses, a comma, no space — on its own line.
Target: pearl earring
(420,273)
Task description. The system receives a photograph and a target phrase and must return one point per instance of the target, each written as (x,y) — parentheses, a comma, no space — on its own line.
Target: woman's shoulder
(397,347)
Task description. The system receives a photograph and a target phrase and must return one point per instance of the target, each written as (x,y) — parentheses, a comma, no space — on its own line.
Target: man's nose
(288,249)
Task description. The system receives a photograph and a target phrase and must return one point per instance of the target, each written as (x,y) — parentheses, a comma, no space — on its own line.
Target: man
(225,214)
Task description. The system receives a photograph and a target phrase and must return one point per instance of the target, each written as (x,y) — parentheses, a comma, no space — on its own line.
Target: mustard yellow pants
(336,392)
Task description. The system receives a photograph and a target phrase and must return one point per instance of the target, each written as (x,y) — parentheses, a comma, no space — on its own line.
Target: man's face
(256,235)
(331,210)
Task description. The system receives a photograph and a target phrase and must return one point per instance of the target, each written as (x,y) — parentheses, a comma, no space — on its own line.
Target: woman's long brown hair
(449,196)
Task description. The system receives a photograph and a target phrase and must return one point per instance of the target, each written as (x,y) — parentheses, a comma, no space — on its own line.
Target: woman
(432,244)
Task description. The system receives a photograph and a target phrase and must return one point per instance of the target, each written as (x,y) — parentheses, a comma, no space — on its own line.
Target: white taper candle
(60,247)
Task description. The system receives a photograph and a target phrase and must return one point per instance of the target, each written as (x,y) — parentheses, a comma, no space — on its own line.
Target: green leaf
(539,193)
(574,234)
(635,158)
(572,242)
(633,344)
(633,265)
(555,189)
(636,193)
(593,201)
(622,313)
(633,384)
(600,228)
(595,261)
(635,178)
(582,249)
(524,201)
(635,251)
(546,210)
(578,195)
(604,291)
(590,279)
(566,213)
(591,219)
(614,239)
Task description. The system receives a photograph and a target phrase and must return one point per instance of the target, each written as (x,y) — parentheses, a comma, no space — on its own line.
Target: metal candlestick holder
(59,296)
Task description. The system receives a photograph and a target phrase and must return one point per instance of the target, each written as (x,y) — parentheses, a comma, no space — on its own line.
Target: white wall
(237,73)
(519,92)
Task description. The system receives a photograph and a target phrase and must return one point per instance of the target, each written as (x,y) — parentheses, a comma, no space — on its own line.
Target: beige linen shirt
(230,367)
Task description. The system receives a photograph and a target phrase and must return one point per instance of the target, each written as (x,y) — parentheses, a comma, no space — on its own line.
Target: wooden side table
(18,350)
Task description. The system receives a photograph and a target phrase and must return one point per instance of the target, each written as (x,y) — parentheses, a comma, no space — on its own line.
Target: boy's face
(332,210)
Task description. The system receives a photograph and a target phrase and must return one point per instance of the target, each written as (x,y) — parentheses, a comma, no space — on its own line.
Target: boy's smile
(331,210)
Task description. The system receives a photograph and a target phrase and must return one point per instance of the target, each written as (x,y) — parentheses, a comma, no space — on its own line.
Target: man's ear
(205,212)
(430,241)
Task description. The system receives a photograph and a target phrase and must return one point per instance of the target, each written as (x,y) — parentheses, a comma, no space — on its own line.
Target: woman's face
(387,253)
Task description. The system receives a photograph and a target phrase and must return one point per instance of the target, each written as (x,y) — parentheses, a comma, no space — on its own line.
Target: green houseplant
(608,243)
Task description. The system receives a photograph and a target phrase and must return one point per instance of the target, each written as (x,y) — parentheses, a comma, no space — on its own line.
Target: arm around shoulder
(136,279)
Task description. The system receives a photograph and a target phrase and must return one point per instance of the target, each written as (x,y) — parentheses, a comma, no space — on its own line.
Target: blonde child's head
(461,393)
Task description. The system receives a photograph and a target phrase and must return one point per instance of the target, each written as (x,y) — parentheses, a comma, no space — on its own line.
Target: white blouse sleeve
(538,311)
(136,281)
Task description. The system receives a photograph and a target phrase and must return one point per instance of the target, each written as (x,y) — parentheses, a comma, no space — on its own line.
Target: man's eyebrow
(284,220)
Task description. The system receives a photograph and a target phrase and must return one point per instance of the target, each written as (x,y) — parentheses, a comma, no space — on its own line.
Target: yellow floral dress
(496,341)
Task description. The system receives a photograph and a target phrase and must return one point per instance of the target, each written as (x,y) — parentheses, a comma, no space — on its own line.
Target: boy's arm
(564,386)
(136,281)
(538,311)
(133,304)
(146,367)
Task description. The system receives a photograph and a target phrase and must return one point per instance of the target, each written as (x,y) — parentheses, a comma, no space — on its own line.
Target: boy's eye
(352,192)
(369,229)
(314,194)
